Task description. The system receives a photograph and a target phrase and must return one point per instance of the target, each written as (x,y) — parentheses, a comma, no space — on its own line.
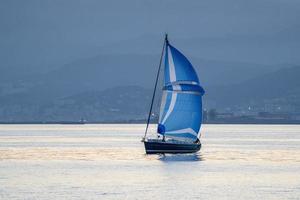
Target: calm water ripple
(108,162)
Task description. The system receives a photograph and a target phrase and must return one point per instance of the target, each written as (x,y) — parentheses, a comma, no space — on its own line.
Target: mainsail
(181,106)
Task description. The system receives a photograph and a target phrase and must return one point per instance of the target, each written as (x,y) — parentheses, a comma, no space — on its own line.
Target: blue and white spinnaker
(181,107)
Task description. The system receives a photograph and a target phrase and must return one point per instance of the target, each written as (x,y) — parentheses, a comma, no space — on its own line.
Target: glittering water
(108,162)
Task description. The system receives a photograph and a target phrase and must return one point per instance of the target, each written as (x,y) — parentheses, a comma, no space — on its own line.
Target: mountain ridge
(123,103)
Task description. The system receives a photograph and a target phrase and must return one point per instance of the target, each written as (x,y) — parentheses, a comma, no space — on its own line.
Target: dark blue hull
(154,147)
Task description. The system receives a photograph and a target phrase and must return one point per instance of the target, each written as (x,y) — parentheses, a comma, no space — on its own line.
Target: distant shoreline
(124,122)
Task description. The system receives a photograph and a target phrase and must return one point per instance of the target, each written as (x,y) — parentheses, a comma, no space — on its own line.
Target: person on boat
(161,130)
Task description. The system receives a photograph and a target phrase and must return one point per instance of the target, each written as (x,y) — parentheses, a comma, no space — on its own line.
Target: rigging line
(157,76)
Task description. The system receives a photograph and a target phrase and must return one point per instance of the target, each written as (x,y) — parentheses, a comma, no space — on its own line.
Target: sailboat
(180,115)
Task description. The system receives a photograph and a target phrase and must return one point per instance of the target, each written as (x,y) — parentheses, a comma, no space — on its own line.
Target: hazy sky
(54,32)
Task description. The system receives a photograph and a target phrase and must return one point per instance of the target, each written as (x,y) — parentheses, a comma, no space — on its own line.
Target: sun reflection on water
(109,162)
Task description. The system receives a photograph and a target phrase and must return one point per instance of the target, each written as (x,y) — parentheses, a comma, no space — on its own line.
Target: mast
(155,86)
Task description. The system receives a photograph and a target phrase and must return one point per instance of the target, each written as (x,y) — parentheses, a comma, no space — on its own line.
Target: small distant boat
(81,121)
(180,114)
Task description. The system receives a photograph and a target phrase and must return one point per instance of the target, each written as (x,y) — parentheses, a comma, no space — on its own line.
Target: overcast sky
(53,32)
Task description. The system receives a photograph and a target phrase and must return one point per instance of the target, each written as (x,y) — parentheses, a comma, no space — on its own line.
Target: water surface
(108,162)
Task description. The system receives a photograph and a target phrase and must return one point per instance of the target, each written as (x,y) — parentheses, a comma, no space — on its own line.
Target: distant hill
(106,71)
(114,104)
(281,86)
(90,89)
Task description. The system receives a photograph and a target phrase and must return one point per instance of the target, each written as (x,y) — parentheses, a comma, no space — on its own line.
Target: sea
(108,161)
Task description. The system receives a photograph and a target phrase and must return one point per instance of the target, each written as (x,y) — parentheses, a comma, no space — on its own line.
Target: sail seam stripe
(172,79)
(185,130)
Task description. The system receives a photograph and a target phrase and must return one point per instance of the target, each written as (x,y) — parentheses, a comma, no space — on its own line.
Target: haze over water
(108,162)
